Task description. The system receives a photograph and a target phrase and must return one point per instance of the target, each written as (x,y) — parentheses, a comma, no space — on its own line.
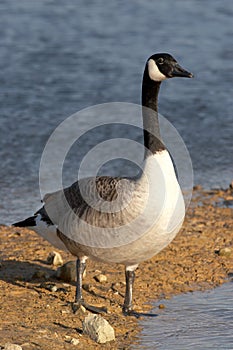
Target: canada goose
(154,196)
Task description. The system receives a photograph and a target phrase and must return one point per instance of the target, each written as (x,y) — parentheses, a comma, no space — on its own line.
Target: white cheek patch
(154,72)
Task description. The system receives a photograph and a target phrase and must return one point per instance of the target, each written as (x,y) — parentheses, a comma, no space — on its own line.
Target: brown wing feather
(74,197)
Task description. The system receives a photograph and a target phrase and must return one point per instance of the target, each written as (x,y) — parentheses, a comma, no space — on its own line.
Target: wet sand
(37,318)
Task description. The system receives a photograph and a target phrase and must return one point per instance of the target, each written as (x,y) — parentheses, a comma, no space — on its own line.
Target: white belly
(159,219)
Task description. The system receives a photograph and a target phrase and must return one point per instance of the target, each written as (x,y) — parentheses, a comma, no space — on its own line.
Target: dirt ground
(37,318)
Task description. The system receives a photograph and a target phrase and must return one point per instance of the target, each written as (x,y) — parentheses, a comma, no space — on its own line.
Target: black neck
(152,138)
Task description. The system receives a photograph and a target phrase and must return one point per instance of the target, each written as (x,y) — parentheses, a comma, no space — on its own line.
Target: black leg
(128,307)
(80,268)
(128,302)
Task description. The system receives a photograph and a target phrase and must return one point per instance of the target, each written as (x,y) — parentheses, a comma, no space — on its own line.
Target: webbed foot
(95,309)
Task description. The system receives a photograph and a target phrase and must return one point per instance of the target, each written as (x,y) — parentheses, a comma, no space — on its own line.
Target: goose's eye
(160,60)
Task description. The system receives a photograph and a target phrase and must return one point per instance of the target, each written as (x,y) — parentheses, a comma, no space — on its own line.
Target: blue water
(197,321)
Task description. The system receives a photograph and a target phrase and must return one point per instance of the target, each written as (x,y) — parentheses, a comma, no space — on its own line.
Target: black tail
(27,222)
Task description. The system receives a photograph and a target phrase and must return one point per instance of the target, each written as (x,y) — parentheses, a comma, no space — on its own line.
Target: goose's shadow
(18,272)
(143,314)
(13,272)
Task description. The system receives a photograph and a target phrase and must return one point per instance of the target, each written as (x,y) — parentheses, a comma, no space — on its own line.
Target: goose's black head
(162,66)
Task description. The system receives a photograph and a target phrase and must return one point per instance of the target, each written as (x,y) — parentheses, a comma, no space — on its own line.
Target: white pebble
(55,259)
(101,278)
(98,329)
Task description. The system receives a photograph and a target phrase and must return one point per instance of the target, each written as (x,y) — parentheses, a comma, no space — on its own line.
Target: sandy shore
(37,318)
